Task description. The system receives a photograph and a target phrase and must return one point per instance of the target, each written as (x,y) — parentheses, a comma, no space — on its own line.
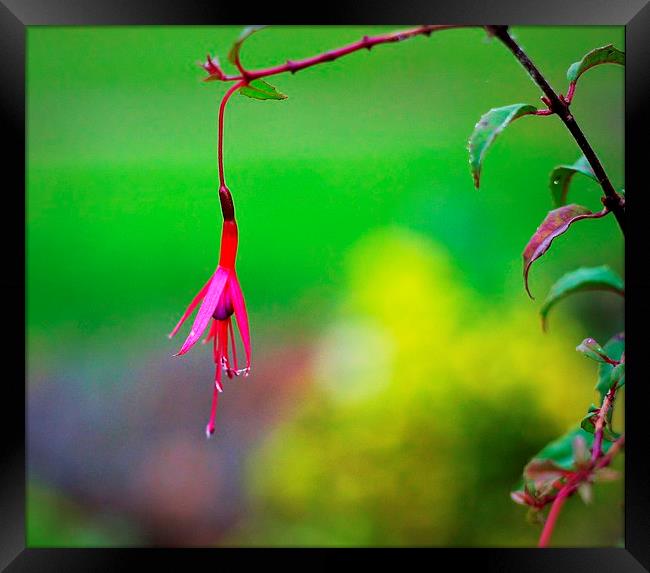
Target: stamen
(234,346)
(217,378)
(223,346)
(209,429)
(240,372)
(215,352)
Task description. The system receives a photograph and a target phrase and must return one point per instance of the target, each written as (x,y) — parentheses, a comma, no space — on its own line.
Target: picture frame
(16,16)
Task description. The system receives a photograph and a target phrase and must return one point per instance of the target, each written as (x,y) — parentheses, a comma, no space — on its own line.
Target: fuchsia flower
(220,298)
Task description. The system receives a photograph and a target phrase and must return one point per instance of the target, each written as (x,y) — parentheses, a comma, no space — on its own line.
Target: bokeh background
(400,376)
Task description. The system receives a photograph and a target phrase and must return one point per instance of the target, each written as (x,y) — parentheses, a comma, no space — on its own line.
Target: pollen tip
(209,431)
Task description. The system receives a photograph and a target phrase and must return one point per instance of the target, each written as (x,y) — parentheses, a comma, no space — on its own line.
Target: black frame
(15,15)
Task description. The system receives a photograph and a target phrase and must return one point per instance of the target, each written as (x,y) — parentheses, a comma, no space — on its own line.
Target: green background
(400,378)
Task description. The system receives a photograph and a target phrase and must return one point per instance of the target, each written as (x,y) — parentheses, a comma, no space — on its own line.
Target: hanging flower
(220,298)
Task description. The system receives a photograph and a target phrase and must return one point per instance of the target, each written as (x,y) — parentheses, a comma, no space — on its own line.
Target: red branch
(367,42)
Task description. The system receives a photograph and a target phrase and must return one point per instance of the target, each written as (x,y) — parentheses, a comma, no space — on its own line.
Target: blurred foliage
(400,378)
(393,449)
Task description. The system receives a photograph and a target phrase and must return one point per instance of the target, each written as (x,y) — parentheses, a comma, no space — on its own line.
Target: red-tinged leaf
(556,223)
(544,472)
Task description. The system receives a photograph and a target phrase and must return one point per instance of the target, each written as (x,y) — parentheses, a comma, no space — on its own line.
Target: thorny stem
(612,200)
(571,487)
(366,42)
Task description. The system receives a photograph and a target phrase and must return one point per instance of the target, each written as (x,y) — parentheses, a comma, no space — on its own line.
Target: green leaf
(591,349)
(259,89)
(561,178)
(233,54)
(605,55)
(489,126)
(580,280)
(614,348)
(554,224)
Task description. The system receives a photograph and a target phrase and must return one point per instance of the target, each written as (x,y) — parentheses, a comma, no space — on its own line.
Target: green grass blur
(385,295)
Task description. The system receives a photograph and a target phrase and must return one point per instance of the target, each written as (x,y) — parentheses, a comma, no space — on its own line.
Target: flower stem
(227,205)
(612,200)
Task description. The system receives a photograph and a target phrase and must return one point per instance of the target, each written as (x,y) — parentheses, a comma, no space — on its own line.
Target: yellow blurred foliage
(425,403)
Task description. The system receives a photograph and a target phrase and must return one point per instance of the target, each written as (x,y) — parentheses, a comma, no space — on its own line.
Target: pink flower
(220,298)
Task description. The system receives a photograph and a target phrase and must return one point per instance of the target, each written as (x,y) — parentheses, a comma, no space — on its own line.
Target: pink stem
(227,205)
(222,107)
(601,421)
(570,93)
(558,502)
(366,42)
